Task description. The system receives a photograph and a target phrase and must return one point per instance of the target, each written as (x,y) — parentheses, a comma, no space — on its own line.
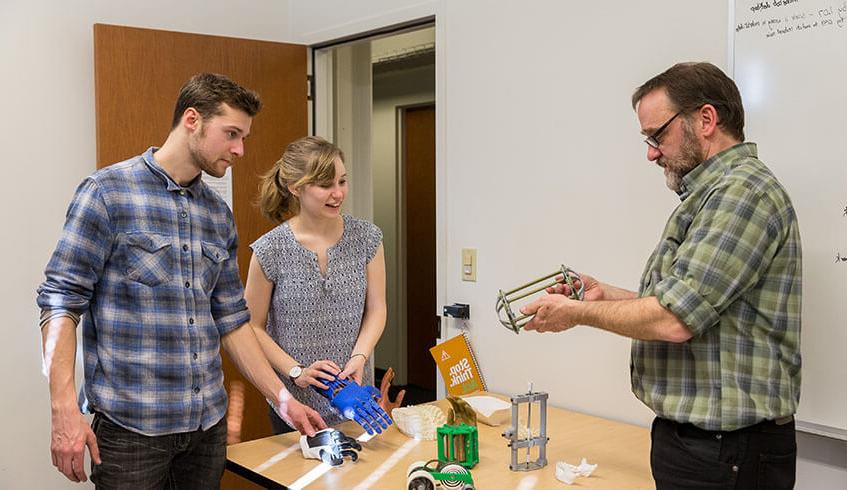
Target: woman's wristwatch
(295,372)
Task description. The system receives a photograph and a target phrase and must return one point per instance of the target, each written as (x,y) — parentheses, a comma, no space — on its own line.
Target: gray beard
(691,155)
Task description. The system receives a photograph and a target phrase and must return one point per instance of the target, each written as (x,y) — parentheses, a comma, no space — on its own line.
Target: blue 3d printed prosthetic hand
(357,403)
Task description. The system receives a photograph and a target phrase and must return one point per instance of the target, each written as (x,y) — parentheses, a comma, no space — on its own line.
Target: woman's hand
(355,368)
(318,370)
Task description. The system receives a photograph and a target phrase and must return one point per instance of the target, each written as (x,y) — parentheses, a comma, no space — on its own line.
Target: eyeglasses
(653,139)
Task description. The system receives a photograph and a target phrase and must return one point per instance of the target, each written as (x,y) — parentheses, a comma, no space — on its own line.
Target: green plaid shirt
(729,266)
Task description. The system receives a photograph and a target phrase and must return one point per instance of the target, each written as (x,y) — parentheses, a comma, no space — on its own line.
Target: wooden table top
(621,452)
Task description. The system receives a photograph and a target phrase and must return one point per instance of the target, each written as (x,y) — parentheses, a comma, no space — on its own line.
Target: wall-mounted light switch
(469,264)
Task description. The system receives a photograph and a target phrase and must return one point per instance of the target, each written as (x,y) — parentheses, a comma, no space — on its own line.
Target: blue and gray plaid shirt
(151,267)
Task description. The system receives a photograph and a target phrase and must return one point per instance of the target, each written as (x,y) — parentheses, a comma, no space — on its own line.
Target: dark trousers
(684,456)
(174,461)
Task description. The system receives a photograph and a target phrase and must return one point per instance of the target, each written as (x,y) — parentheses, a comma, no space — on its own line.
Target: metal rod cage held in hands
(513,322)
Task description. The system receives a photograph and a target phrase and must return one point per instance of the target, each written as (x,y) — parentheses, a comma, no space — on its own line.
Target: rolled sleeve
(228,307)
(78,260)
(687,304)
(722,256)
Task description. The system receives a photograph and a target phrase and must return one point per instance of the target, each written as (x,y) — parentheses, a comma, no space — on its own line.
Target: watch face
(295,372)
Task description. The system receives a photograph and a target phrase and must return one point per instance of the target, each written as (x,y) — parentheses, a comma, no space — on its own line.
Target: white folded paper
(567,472)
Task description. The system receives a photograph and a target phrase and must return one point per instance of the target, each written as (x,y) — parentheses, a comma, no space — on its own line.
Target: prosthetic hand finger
(372,419)
(377,414)
(361,417)
(349,442)
(353,455)
(354,445)
(329,446)
(384,417)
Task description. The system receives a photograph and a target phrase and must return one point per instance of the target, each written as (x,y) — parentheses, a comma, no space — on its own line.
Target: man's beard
(691,155)
(197,156)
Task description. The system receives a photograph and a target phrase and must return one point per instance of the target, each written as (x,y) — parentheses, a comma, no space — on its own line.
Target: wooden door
(419,205)
(138,74)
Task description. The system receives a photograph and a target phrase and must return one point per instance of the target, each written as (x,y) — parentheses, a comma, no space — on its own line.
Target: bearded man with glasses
(716,320)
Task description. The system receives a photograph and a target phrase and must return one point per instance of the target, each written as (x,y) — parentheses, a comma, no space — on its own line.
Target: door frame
(322,93)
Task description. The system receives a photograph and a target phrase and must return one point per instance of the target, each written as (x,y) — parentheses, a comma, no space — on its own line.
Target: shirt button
(191,321)
(187,284)
(735,468)
(185,248)
(718,437)
(196,390)
(181,193)
(184,214)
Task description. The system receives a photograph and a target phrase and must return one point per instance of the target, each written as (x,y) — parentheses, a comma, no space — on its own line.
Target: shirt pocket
(149,259)
(214,256)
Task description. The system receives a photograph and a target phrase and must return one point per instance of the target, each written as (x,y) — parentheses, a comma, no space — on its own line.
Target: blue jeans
(683,456)
(174,461)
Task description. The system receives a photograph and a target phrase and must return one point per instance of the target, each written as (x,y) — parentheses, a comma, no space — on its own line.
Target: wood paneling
(138,74)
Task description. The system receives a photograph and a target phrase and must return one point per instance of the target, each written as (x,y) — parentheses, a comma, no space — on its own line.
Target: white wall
(47,135)
(545,166)
(540,163)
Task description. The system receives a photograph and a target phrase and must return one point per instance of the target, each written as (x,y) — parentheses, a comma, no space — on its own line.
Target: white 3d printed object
(419,421)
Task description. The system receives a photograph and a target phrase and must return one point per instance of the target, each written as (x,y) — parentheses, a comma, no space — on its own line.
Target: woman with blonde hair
(316,284)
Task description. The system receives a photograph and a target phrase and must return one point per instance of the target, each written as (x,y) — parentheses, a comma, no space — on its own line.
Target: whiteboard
(790,62)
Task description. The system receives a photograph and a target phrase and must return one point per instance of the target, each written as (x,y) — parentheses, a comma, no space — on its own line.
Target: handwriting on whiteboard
(777,18)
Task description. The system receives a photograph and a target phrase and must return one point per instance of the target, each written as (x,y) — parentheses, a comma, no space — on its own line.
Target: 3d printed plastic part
(513,322)
(458,444)
(357,403)
(330,446)
(426,475)
(419,421)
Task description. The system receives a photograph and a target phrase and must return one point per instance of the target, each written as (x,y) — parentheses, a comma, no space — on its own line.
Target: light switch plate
(469,264)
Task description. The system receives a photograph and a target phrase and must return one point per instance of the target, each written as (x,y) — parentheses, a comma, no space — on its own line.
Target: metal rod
(530,283)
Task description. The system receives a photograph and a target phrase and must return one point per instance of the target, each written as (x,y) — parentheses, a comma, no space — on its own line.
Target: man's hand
(70,435)
(593,288)
(303,418)
(553,313)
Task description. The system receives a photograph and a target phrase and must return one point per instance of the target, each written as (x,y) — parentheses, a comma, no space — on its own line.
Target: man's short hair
(691,85)
(206,91)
